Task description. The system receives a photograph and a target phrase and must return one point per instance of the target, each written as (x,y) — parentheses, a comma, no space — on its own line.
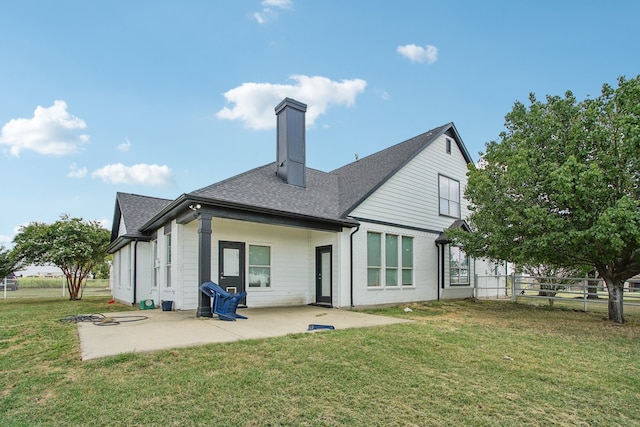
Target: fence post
(513,287)
(585,286)
(475,285)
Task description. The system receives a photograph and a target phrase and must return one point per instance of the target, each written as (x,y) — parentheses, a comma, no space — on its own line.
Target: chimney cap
(289,102)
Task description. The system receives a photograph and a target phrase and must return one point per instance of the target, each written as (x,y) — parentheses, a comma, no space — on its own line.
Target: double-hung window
(259,266)
(391,259)
(156,263)
(374,259)
(449,195)
(458,267)
(407,261)
(167,240)
(389,264)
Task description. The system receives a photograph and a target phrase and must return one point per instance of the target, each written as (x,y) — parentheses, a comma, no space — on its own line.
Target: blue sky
(161,98)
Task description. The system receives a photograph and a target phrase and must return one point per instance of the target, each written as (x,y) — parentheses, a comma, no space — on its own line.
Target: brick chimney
(291,157)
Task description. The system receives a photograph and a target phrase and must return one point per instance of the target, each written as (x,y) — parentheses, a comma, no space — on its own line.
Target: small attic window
(448,146)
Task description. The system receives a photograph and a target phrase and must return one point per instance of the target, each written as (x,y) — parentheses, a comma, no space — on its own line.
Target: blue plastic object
(223,303)
(313,327)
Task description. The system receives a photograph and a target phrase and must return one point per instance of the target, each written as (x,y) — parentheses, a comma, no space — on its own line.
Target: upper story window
(448,142)
(449,194)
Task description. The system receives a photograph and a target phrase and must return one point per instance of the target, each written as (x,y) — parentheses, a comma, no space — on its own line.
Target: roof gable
(132,211)
(358,180)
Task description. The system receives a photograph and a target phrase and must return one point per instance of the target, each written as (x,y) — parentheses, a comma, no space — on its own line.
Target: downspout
(135,272)
(440,267)
(351,261)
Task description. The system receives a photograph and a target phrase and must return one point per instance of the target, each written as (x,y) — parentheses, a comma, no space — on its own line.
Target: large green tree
(8,263)
(73,245)
(561,186)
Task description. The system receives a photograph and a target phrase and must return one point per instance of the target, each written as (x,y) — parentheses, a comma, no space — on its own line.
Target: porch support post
(204,263)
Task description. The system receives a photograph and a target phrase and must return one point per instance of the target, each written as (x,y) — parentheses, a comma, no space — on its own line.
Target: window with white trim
(167,243)
(458,267)
(156,263)
(259,266)
(449,195)
(395,258)
(407,261)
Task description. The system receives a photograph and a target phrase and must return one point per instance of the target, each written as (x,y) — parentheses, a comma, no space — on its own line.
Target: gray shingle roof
(136,210)
(262,188)
(327,196)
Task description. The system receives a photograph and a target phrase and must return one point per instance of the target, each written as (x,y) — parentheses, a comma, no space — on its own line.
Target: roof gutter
(185,200)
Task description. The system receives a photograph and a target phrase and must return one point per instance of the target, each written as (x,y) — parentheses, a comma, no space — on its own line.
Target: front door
(231,267)
(323,275)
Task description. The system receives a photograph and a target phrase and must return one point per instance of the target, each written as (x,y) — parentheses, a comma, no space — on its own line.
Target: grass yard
(460,363)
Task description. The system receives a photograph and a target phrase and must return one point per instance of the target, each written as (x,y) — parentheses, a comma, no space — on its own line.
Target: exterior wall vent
(291,144)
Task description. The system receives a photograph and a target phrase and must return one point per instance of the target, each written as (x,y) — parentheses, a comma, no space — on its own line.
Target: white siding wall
(122,275)
(186,255)
(122,229)
(292,259)
(425,269)
(144,272)
(410,197)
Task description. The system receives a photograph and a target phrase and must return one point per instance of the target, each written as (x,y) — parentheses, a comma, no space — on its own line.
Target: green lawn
(459,363)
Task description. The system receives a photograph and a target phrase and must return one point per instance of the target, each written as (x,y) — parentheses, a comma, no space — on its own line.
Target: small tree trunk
(616,306)
(73,286)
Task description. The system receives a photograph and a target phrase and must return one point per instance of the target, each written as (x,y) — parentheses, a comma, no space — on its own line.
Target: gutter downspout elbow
(351,262)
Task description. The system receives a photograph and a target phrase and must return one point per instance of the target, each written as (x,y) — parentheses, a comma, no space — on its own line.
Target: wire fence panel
(493,287)
(39,287)
(583,290)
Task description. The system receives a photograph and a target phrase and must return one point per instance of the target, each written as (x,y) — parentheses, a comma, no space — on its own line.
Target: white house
(370,232)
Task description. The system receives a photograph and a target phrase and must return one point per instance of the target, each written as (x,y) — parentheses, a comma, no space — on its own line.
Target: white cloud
(76,172)
(137,174)
(282,4)
(416,53)
(255,102)
(125,146)
(51,131)
(269,10)
(105,223)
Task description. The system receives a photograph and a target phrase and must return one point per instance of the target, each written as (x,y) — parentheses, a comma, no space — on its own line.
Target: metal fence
(36,287)
(582,290)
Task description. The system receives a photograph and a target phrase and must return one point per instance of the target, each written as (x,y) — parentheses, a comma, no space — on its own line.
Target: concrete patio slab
(170,329)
